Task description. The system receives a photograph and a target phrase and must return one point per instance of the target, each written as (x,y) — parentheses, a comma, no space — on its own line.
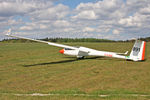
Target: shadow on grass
(48,63)
(59,62)
(73,59)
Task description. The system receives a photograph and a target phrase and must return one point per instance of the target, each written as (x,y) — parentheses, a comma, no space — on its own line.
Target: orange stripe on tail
(143,52)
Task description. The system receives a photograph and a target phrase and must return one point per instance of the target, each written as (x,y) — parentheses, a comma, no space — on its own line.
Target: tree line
(59,40)
(147,39)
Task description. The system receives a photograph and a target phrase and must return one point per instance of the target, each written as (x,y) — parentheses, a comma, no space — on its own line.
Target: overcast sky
(107,19)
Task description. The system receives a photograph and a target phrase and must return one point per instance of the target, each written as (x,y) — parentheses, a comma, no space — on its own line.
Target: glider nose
(62,51)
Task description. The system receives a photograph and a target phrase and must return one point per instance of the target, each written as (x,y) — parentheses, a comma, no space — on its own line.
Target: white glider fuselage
(84,51)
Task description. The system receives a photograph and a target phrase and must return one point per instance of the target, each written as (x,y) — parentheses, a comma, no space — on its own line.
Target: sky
(104,19)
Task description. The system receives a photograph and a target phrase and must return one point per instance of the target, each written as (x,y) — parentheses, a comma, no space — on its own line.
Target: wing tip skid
(8,32)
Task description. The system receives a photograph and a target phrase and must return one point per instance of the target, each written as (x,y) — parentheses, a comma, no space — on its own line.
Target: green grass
(40,68)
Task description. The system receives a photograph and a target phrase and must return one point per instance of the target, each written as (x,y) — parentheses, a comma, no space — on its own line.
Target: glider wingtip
(8,32)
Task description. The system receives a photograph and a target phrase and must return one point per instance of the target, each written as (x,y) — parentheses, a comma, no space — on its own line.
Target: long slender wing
(50,43)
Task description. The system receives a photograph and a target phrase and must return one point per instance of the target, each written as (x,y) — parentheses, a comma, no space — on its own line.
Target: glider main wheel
(80,57)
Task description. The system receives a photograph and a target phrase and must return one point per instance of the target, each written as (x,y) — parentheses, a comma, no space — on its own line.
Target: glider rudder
(138,51)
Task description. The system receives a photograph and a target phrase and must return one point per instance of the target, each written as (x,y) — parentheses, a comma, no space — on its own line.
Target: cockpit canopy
(67,49)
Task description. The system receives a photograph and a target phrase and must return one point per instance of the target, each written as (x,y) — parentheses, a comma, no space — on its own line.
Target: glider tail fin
(138,51)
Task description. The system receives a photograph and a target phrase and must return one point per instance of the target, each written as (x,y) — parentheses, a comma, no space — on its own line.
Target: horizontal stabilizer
(123,53)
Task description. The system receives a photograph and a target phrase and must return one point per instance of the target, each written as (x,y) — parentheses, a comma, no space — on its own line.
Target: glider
(137,52)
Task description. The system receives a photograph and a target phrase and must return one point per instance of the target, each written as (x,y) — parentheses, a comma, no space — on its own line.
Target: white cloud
(43,26)
(132,21)
(88,29)
(33,26)
(26,28)
(88,14)
(116,32)
(145,10)
(113,19)
(16,8)
(51,13)
(61,23)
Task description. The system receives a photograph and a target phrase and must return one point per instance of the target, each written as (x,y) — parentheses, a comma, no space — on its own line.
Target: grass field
(27,68)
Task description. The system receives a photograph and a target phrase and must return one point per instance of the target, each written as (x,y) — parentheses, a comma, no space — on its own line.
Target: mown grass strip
(82,95)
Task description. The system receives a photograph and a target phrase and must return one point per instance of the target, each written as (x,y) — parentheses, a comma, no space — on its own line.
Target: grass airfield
(27,68)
